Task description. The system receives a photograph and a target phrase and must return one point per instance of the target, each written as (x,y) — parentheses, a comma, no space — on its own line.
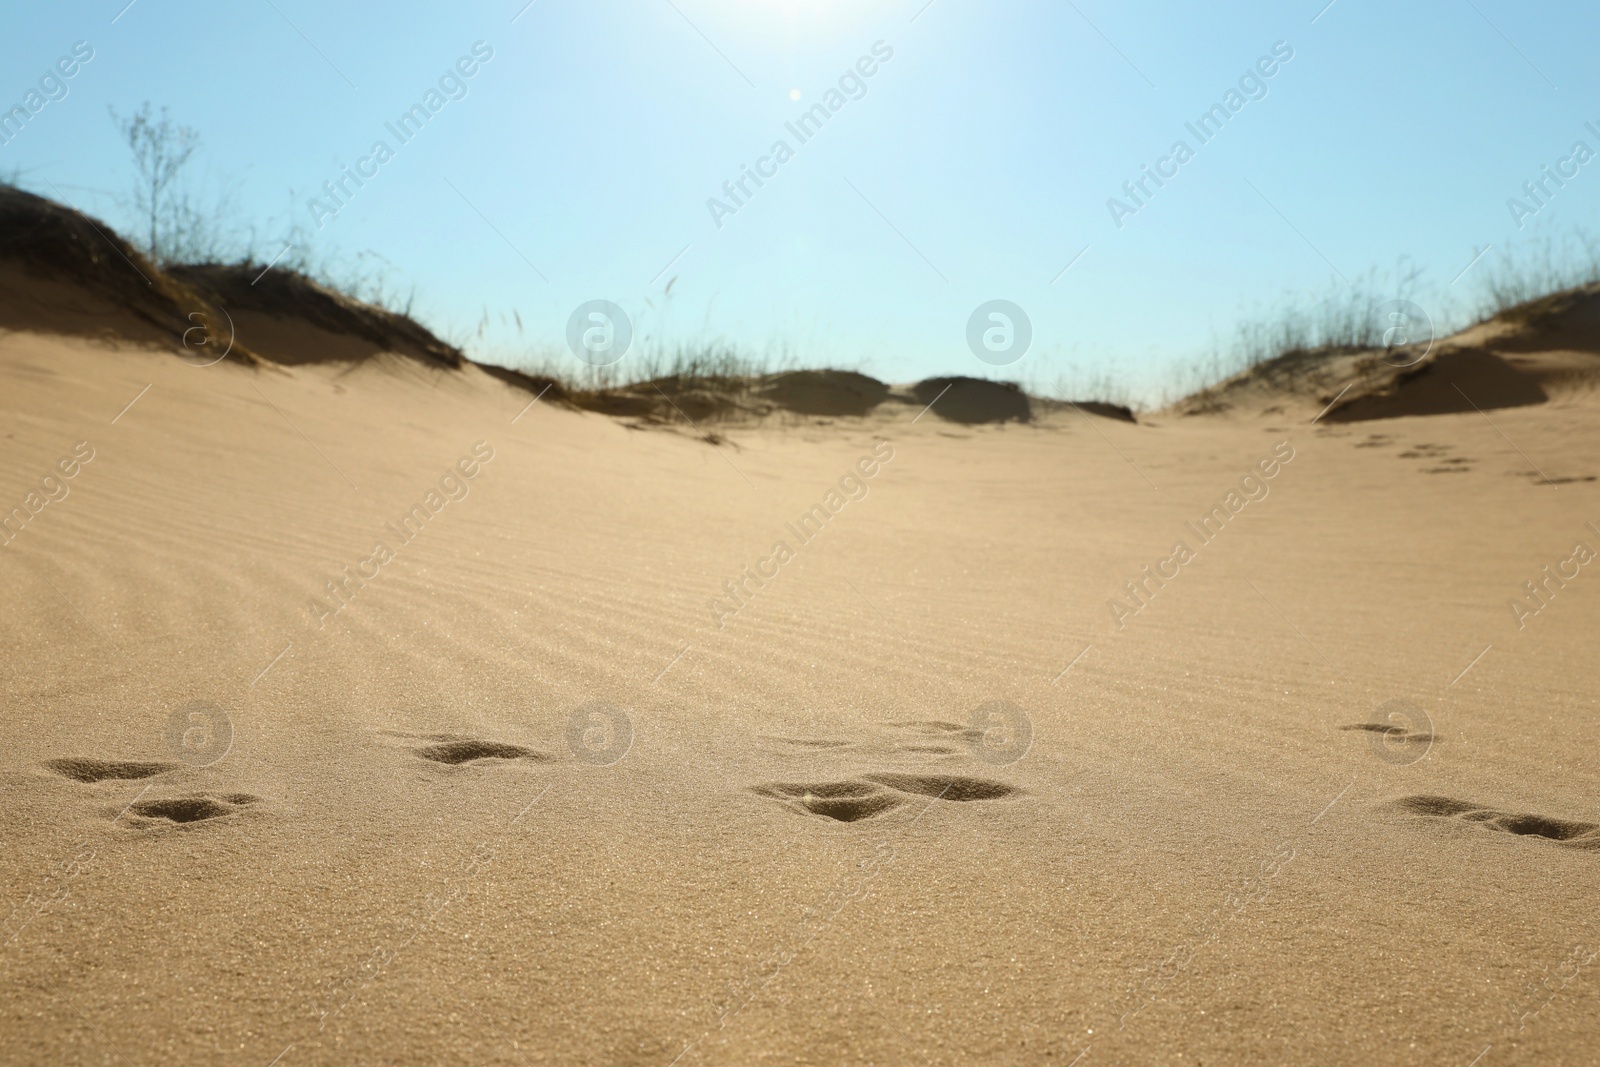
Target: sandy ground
(825,842)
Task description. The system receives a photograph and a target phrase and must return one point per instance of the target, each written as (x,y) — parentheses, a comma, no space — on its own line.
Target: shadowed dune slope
(63,272)
(289,318)
(824,392)
(1460,380)
(974,400)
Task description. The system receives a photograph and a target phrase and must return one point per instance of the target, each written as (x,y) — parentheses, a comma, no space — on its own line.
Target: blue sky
(975,165)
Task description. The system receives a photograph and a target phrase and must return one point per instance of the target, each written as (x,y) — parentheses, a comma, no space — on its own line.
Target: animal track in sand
(466,750)
(877,794)
(195,807)
(1564,832)
(85,769)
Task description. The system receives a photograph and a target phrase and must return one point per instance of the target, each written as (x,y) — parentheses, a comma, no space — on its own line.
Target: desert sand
(542,790)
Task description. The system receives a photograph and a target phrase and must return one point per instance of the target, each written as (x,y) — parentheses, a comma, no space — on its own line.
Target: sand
(542,791)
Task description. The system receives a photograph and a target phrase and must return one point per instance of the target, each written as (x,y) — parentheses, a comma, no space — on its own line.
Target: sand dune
(1519,358)
(66,273)
(517,792)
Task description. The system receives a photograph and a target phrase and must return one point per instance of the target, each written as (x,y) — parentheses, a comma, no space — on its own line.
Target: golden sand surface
(366,713)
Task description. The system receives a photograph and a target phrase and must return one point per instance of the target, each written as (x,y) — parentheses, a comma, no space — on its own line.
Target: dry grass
(1292,336)
(1525,275)
(1288,343)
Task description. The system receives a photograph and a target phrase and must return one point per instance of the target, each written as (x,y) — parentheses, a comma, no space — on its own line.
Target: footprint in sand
(1402,733)
(1563,480)
(1391,734)
(157,811)
(921,738)
(85,769)
(998,733)
(190,808)
(1564,832)
(840,801)
(938,728)
(873,795)
(932,737)
(813,743)
(458,751)
(1425,451)
(455,751)
(945,786)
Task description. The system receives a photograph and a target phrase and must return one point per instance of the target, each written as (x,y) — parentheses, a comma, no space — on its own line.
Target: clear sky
(975,163)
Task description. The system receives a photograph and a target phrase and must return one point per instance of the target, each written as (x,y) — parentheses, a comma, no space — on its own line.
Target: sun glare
(809,19)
